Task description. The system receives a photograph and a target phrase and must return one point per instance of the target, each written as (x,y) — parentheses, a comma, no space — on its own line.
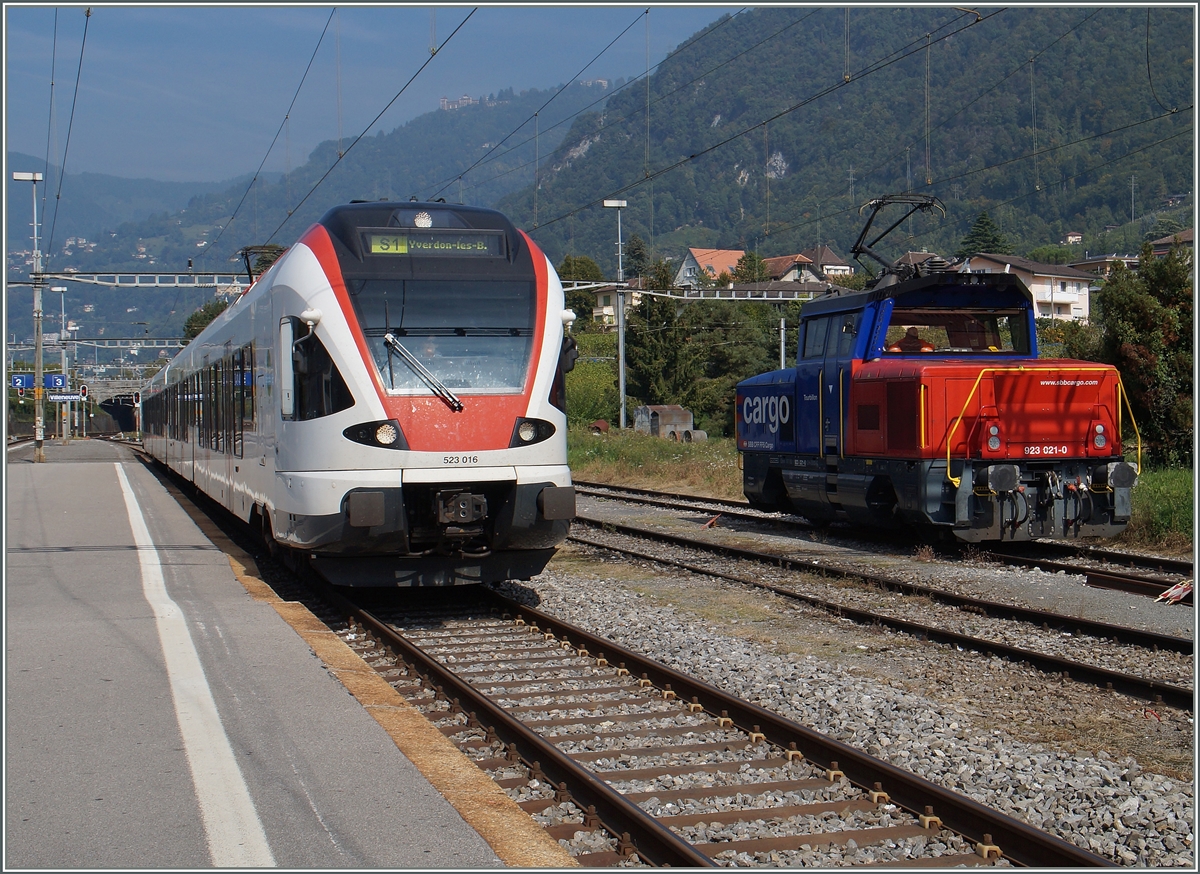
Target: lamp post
(618,205)
(39,449)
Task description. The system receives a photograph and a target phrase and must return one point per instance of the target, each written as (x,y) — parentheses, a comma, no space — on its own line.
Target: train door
(809,372)
(842,331)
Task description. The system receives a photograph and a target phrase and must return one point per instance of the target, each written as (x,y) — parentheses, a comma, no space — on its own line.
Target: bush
(1163,516)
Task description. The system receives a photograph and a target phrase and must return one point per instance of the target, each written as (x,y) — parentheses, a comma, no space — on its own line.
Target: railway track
(1149,576)
(953,616)
(972,834)
(630,761)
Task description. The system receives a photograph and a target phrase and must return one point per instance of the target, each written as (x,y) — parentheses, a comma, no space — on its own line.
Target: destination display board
(425,243)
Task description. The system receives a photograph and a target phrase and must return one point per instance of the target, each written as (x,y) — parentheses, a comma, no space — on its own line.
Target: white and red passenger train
(387,400)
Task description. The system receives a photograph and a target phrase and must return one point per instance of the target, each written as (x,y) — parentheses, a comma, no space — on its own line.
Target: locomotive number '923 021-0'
(387,400)
(922,402)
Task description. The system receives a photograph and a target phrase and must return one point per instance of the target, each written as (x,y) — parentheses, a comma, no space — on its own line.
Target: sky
(198,93)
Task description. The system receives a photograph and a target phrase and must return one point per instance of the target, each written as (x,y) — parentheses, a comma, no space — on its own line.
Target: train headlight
(529,431)
(385,435)
(1100,440)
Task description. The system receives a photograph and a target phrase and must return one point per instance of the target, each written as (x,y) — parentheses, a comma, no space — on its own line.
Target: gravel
(1104,802)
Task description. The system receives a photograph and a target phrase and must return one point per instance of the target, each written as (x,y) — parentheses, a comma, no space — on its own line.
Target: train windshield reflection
(473,336)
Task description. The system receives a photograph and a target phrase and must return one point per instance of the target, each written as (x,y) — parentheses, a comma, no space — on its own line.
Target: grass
(1162,500)
(1163,511)
(628,458)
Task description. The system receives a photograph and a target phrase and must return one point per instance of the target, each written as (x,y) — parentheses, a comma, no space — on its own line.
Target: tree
(637,257)
(268,254)
(661,360)
(200,319)
(592,384)
(984,236)
(580,268)
(1164,226)
(1051,254)
(1147,319)
(750,268)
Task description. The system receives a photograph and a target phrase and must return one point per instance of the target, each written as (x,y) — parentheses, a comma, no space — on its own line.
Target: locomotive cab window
(957,332)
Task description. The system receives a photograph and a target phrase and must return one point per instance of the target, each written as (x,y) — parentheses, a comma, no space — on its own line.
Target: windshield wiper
(438,387)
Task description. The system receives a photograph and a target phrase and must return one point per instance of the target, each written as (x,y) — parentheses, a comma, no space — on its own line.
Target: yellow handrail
(922,404)
(1132,421)
(1022,369)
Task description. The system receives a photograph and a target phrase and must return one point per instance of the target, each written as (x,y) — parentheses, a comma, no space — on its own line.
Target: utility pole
(39,435)
(618,205)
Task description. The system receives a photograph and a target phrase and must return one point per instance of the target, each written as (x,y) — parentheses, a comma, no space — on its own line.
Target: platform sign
(20,380)
(54,380)
(66,398)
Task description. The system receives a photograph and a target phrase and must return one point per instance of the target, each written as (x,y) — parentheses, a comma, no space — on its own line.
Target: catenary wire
(871,68)
(62,169)
(544,105)
(601,99)
(420,69)
(275,139)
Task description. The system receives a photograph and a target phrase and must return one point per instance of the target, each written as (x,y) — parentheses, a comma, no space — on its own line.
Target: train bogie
(923,404)
(386,400)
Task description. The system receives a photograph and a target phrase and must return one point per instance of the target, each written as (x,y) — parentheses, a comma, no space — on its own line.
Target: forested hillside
(90,202)
(773,129)
(424,156)
(767,131)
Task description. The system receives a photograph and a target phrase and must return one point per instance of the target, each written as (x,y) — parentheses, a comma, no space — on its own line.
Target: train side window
(847,327)
(814,338)
(316,386)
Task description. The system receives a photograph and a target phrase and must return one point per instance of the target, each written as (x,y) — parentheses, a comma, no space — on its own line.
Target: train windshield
(471,335)
(958,331)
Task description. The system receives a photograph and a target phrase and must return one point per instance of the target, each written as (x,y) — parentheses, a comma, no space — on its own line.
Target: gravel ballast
(959,719)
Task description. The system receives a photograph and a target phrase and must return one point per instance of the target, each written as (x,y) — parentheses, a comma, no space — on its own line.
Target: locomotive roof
(938,289)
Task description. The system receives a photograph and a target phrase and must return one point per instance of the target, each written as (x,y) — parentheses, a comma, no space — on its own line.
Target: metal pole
(621,350)
(39,394)
(64,409)
(782,343)
(618,204)
(620,250)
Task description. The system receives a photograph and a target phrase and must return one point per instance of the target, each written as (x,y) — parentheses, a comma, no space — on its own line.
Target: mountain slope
(768,138)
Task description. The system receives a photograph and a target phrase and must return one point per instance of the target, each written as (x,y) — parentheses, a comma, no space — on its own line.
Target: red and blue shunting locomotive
(922,402)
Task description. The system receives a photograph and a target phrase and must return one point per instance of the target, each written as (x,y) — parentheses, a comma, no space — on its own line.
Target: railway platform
(163,712)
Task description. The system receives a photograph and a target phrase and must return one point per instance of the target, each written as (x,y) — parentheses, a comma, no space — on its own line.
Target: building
(1072,238)
(1163,245)
(1059,291)
(711,263)
(1103,265)
(465,100)
(605,310)
(787,268)
(827,261)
